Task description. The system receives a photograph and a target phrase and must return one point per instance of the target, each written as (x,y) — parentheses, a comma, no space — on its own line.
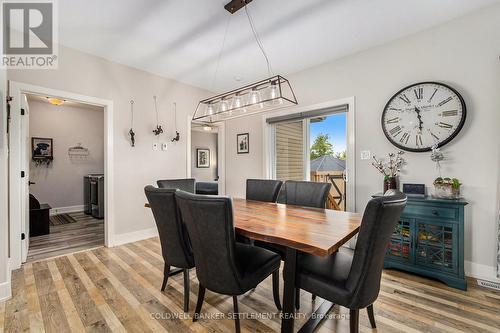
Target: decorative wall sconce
(131,132)
(177,136)
(158,130)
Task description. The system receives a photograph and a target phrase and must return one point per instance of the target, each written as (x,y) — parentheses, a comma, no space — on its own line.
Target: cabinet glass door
(400,245)
(435,245)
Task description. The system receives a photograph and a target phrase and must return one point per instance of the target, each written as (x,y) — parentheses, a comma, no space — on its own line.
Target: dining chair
(266,190)
(183,184)
(299,193)
(223,265)
(174,240)
(351,278)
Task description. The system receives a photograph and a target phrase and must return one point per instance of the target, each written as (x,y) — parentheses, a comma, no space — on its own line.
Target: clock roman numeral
(405,137)
(445,125)
(395,131)
(418,140)
(419,93)
(392,121)
(435,136)
(449,113)
(395,109)
(445,101)
(405,99)
(432,96)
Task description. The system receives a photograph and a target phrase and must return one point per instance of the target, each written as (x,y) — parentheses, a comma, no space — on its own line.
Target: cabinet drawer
(448,213)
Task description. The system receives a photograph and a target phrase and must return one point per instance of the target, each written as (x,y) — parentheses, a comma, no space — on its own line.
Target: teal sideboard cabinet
(429,240)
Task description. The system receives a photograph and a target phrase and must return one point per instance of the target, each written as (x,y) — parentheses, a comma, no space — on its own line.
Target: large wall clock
(423,115)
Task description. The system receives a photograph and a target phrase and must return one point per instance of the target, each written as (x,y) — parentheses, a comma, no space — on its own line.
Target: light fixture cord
(258,41)
(219,57)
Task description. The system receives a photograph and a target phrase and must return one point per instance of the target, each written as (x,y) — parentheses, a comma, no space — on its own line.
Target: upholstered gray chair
(223,265)
(266,190)
(351,278)
(184,184)
(175,246)
(304,193)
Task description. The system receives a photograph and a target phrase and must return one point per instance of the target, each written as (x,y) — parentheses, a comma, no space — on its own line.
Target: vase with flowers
(390,168)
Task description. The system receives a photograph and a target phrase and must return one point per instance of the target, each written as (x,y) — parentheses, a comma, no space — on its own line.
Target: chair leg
(236,313)
(297,298)
(186,290)
(371,316)
(354,321)
(199,303)
(276,289)
(166,271)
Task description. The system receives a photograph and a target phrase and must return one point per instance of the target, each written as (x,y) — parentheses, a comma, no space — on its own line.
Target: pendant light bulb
(254,97)
(210,109)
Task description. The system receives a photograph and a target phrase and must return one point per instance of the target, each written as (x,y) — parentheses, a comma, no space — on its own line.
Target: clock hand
(420,123)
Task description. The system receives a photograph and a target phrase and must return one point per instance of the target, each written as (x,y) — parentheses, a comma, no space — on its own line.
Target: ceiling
(182,39)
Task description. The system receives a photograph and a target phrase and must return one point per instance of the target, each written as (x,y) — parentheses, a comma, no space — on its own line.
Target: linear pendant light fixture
(265,95)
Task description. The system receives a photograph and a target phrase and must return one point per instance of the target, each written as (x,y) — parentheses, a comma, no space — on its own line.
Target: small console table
(429,240)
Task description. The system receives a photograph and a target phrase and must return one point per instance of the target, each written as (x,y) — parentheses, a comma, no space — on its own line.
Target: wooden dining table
(315,231)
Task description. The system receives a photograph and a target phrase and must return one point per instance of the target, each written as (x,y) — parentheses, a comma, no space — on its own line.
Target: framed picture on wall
(203,158)
(42,148)
(243,143)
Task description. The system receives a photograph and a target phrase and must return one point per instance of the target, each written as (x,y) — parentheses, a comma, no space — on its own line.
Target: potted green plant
(448,188)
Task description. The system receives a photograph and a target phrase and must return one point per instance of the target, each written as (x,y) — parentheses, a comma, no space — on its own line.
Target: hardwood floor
(118,290)
(86,233)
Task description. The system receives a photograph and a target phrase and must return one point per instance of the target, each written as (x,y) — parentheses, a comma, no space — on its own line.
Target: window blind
(308,114)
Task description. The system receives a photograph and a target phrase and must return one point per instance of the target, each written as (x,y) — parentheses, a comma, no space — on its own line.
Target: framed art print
(243,143)
(203,158)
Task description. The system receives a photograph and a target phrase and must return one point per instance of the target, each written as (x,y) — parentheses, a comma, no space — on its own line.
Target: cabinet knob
(435,212)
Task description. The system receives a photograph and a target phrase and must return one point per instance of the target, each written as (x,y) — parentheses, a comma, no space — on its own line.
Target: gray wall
(204,140)
(463,53)
(61,183)
(134,167)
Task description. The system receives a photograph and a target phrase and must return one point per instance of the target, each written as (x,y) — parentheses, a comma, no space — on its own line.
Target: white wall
(134,167)
(463,53)
(60,184)
(204,140)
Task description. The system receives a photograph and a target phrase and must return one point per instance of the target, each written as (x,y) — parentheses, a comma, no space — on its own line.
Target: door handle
(31,183)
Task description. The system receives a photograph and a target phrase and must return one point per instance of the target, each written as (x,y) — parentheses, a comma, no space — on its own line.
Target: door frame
(221,152)
(16,89)
(268,142)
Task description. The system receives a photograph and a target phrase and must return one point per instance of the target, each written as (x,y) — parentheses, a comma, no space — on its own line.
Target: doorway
(65,172)
(20,156)
(315,143)
(204,158)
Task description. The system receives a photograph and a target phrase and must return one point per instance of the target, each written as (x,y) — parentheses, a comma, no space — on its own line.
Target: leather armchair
(223,265)
(266,190)
(175,245)
(351,278)
(187,184)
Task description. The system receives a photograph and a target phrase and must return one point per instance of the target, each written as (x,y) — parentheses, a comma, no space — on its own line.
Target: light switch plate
(155,146)
(366,155)
(164,146)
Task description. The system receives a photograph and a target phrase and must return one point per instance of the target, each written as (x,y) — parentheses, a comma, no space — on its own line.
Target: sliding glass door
(312,146)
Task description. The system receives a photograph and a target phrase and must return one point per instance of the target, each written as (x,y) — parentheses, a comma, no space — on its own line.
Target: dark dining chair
(266,190)
(183,184)
(299,193)
(175,245)
(223,265)
(351,278)
(304,193)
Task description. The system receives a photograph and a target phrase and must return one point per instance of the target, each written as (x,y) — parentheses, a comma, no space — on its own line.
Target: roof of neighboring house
(327,163)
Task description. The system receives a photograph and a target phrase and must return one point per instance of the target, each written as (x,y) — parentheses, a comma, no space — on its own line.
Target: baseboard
(5,287)
(134,236)
(65,210)
(480,271)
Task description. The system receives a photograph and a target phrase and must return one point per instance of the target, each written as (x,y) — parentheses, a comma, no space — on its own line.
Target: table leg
(317,317)
(289,274)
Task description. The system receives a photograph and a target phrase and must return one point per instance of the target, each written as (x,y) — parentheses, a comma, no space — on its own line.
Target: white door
(25,165)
